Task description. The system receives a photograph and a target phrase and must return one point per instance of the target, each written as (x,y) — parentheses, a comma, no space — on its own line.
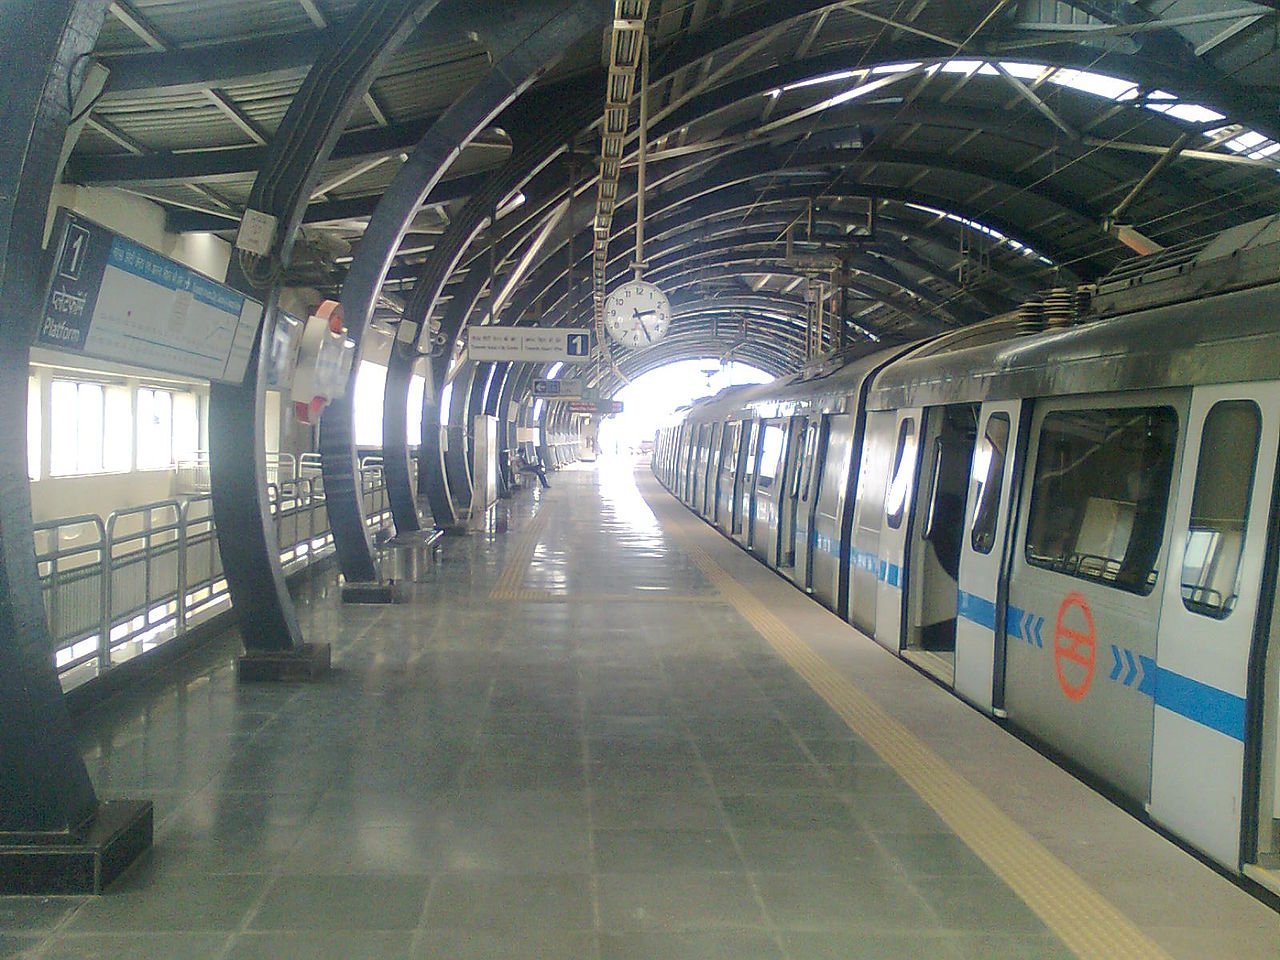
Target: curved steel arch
(533,45)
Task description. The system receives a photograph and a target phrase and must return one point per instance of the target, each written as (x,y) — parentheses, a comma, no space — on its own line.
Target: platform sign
(558,389)
(114,299)
(529,344)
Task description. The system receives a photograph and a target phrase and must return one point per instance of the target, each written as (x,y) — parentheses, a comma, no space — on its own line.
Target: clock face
(637,314)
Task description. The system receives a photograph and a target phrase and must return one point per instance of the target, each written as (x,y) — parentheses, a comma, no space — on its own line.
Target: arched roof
(948,157)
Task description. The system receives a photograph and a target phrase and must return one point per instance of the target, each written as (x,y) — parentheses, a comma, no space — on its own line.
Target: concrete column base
(79,862)
(305,663)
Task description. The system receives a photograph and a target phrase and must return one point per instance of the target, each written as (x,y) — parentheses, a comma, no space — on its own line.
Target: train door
(1086,579)
(730,440)
(806,472)
(979,647)
(876,460)
(789,496)
(1208,618)
(744,490)
(893,534)
(770,492)
(935,538)
(832,488)
(698,463)
(712,479)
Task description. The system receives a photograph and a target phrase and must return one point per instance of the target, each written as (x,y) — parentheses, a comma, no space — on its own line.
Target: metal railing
(114,590)
(193,472)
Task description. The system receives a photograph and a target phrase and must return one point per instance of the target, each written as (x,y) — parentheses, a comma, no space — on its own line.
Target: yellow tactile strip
(1077,914)
(508,584)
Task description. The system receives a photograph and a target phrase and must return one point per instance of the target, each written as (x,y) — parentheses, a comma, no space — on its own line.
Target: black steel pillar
(457,458)
(395,441)
(532,38)
(55,835)
(237,458)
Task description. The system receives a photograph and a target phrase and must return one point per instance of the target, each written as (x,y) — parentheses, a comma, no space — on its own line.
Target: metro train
(1068,515)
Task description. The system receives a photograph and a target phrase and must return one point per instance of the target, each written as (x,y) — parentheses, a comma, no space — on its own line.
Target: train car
(1075,528)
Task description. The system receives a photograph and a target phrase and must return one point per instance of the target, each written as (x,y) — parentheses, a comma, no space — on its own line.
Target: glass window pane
(115,439)
(155,429)
(904,469)
(186,426)
(988,479)
(64,416)
(1101,492)
(33,428)
(90,409)
(770,453)
(371,381)
(413,423)
(1220,508)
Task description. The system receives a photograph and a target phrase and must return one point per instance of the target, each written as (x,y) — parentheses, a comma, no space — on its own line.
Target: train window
(770,453)
(988,481)
(1220,508)
(796,458)
(1100,494)
(810,456)
(729,453)
(904,468)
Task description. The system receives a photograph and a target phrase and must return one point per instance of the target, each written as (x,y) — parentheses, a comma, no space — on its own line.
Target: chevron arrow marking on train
(1133,669)
(1115,659)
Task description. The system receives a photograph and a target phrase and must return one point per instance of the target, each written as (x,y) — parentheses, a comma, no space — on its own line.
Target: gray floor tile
(137,946)
(658,851)
(878,945)
(342,903)
(811,901)
(33,914)
(196,903)
(685,900)
(627,810)
(454,944)
(510,904)
(932,855)
(721,945)
(331,945)
(841,852)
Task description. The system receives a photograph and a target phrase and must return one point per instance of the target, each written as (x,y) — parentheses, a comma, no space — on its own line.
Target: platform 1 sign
(529,344)
(114,299)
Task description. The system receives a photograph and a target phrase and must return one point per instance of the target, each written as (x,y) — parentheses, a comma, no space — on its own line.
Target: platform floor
(602,731)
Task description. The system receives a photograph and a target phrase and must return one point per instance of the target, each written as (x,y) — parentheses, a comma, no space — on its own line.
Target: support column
(319,112)
(55,835)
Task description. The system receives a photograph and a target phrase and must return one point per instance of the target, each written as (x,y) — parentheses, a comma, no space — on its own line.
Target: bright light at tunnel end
(653,400)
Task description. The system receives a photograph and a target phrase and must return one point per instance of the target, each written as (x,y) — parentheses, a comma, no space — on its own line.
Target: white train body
(1074,528)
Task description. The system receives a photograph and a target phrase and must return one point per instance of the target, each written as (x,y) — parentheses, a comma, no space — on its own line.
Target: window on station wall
(1220,508)
(33,428)
(168,425)
(413,423)
(371,381)
(1101,493)
(91,428)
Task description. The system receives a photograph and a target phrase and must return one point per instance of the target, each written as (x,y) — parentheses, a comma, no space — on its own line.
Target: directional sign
(532,344)
(114,299)
(561,389)
(602,408)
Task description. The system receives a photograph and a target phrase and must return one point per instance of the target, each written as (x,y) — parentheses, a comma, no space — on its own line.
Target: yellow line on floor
(1077,914)
(508,584)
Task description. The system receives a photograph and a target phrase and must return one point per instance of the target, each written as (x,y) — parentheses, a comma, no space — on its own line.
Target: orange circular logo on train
(1075,646)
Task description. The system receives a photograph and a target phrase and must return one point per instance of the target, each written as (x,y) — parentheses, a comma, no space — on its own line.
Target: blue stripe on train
(976,609)
(1200,703)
